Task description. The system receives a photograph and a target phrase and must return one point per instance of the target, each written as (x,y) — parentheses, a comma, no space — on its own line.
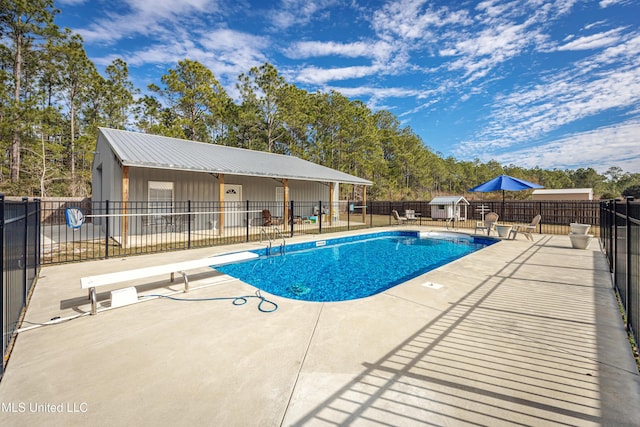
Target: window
(160,197)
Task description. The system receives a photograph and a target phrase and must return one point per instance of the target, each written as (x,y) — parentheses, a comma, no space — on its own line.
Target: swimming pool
(352,267)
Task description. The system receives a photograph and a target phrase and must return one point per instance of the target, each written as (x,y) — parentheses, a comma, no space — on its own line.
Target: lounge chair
(488,224)
(410,214)
(270,220)
(294,219)
(525,229)
(401,219)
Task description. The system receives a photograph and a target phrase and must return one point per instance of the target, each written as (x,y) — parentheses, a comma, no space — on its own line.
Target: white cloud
(607,3)
(157,19)
(603,82)
(411,20)
(480,40)
(70,2)
(602,148)
(594,41)
(420,107)
(237,50)
(359,91)
(501,32)
(291,13)
(492,46)
(176,32)
(408,27)
(594,24)
(310,49)
(226,53)
(319,76)
(437,58)
(167,8)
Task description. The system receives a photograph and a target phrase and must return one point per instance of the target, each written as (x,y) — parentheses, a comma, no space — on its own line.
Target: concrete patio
(519,333)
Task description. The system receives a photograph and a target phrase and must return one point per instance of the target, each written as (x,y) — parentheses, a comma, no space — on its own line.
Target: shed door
(233,205)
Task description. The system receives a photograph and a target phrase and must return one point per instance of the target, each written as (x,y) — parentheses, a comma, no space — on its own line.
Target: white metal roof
(564,191)
(161,152)
(447,200)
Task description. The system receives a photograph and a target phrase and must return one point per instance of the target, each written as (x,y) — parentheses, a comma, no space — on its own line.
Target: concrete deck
(520,333)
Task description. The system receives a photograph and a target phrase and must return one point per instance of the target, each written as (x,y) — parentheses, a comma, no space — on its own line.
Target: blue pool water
(353,267)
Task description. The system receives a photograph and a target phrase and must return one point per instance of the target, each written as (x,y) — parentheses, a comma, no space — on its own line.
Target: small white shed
(447,207)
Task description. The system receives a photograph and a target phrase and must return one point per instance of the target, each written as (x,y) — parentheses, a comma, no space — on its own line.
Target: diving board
(92,282)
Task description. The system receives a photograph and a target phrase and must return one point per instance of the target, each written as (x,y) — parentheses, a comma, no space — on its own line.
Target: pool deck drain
(432,285)
(520,333)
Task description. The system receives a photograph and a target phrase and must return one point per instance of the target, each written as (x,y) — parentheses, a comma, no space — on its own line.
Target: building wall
(564,196)
(186,185)
(106,173)
(197,187)
(106,181)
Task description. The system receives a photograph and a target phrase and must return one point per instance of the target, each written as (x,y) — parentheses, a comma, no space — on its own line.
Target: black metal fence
(620,238)
(556,215)
(119,229)
(20,224)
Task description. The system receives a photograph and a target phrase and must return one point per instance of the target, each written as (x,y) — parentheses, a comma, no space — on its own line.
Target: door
(233,215)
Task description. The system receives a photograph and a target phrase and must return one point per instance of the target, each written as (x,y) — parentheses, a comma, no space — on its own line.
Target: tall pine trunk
(15,138)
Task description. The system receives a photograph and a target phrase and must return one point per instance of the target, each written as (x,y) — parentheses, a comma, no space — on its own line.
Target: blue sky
(548,83)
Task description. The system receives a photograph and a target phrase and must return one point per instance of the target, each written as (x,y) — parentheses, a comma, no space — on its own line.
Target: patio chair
(270,220)
(172,222)
(525,229)
(488,224)
(401,219)
(410,214)
(294,219)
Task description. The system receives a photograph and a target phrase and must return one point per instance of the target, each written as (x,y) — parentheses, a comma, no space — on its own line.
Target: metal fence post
(38,237)
(628,306)
(25,250)
(370,213)
(3,300)
(106,231)
(615,243)
(246,220)
(606,225)
(612,243)
(188,224)
(291,212)
(320,217)
(540,212)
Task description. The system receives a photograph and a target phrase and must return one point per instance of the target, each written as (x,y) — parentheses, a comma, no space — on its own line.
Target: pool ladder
(276,233)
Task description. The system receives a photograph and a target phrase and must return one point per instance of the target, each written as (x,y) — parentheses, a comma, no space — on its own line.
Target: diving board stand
(92,282)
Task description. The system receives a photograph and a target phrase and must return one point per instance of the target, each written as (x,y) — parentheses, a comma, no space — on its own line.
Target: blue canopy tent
(504,183)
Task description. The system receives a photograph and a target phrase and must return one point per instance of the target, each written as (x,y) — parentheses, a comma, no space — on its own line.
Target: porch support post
(331,204)
(221,200)
(125,205)
(285,183)
(364,203)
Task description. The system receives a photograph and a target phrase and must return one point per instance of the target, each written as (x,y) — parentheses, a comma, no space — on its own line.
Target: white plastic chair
(488,224)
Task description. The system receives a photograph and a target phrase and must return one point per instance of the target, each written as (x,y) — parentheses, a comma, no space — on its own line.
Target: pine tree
(26,24)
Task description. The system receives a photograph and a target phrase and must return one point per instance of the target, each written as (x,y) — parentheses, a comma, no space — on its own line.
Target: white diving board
(92,282)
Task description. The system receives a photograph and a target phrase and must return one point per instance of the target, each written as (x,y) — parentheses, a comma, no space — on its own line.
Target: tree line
(53,99)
